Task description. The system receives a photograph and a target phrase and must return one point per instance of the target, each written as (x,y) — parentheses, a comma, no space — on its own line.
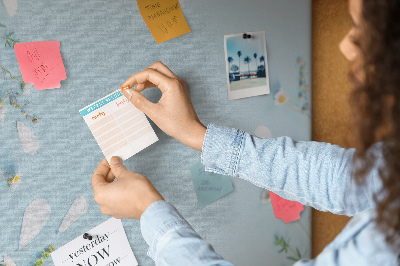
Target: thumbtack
(87,236)
(246,36)
(124,88)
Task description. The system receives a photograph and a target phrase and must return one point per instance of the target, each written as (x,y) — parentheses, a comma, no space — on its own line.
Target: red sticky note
(41,63)
(288,211)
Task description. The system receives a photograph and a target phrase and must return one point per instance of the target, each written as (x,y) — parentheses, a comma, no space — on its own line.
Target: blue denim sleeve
(312,173)
(172,241)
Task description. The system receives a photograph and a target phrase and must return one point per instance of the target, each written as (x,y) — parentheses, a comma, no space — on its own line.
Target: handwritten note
(288,211)
(209,186)
(164,18)
(118,126)
(41,64)
(109,246)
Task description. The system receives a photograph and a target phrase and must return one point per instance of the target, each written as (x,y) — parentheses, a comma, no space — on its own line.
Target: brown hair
(375,103)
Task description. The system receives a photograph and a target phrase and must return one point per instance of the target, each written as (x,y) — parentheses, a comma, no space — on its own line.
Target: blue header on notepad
(101,103)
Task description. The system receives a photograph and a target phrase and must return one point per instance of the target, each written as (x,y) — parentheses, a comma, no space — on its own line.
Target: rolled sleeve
(221,149)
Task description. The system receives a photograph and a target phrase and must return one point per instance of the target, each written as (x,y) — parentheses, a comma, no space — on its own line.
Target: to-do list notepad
(118,126)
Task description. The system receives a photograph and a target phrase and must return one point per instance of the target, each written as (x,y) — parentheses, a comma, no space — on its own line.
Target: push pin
(87,236)
(124,88)
(246,36)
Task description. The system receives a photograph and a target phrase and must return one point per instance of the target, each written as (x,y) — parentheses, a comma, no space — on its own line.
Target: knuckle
(175,83)
(138,102)
(159,63)
(98,197)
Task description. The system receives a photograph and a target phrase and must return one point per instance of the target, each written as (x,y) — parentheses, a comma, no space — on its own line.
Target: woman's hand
(128,197)
(174,113)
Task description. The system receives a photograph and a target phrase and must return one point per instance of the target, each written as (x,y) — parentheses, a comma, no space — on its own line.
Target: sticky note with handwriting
(41,63)
(209,186)
(108,246)
(118,126)
(164,18)
(287,210)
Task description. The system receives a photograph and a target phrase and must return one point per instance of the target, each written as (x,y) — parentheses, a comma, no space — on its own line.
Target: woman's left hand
(127,197)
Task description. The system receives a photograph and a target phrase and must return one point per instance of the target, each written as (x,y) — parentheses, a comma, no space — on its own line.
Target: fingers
(117,167)
(110,177)
(142,86)
(159,80)
(160,67)
(100,174)
(140,102)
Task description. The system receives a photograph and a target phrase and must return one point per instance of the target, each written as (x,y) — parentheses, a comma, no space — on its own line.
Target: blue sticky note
(209,186)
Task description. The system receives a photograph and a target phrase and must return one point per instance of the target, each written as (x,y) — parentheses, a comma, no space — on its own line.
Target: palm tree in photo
(247,60)
(262,59)
(230,60)
(239,55)
(255,58)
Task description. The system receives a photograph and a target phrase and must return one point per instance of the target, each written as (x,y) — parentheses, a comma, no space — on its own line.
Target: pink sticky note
(288,211)
(41,63)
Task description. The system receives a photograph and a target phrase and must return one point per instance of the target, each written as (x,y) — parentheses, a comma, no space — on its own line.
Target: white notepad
(118,126)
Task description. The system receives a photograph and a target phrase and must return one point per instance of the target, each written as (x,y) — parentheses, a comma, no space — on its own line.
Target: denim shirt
(312,173)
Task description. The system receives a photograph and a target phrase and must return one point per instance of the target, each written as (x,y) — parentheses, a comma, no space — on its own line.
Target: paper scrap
(79,207)
(41,63)
(35,217)
(11,6)
(7,261)
(164,18)
(29,142)
(109,246)
(287,210)
(209,186)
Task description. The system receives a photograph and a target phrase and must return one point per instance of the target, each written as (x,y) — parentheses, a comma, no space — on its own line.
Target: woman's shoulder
(361,240)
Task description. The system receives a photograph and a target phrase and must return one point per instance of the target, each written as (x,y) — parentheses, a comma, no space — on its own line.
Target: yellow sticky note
(164,18)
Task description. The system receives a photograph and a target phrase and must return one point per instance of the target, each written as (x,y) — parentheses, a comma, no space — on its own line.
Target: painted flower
(15,181)
(7,261)
(280,97)
(265,197)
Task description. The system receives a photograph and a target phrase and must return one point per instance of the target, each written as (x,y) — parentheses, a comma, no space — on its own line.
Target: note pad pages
(118,126)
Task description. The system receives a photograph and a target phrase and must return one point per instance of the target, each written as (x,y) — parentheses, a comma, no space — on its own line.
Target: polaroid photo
(246,64)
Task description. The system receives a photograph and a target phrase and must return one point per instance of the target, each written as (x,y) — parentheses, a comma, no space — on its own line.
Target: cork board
(331,89)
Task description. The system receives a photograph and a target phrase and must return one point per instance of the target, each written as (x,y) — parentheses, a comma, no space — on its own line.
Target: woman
(362,182)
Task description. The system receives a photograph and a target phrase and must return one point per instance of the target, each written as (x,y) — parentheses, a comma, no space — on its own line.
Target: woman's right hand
(173,113)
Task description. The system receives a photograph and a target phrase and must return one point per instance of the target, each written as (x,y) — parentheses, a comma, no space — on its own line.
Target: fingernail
(129,92)
(115,160)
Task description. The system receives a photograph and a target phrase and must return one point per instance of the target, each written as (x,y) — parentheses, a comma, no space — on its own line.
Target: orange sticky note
(287,210)
(41,63)
(164,18)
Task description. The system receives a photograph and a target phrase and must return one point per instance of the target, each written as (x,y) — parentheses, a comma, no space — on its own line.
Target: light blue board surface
(103,43)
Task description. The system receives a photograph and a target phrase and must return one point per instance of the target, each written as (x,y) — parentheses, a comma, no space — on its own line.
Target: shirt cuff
(158,219)
(222,148)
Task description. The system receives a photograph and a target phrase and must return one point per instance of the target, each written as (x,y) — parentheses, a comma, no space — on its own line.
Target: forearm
(312,173)
(172,241)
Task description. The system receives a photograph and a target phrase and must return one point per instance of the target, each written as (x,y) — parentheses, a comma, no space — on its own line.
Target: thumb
(138,100)
(117,167)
